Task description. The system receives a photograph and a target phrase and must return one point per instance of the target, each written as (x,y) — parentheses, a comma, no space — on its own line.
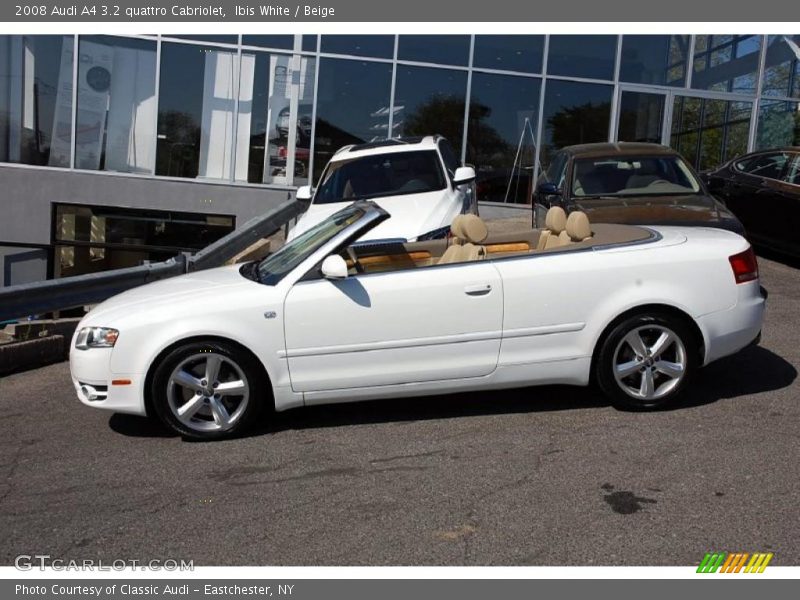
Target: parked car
(419,181)
(283,124)
(642,184)
(763,190)
(322,320)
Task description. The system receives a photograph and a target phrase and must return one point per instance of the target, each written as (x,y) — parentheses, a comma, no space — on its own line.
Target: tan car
(633,183)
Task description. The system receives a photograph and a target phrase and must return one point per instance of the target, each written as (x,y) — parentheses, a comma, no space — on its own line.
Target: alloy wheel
(208,392)
(650,362)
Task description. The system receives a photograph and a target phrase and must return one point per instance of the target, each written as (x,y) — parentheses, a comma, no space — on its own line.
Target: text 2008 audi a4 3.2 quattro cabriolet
(635,309)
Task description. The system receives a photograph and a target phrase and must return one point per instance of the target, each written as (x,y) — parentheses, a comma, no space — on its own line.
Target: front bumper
(96,386)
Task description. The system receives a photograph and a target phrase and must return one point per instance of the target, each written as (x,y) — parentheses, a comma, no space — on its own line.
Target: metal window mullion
(74,108)
(313,143)
(416,63)
(666,125)
(238,91)
(616,95)
(377,59)
(540,117)
(157,91)
(392,87)
(216,45)
(690,62)
(752,132)
(467,101)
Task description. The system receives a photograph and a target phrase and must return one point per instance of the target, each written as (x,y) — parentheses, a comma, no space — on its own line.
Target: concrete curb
(21,356)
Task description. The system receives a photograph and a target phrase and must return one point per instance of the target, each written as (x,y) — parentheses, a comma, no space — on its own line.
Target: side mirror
(334,267)
(463,175)
(548,188)
(304,193)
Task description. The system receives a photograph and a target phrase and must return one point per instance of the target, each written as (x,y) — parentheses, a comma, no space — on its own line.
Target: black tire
(236,366)
(616,356)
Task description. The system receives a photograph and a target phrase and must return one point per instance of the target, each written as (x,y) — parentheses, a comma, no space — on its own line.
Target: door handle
(478,290)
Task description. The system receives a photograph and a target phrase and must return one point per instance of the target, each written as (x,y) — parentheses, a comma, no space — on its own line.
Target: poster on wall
(95,66)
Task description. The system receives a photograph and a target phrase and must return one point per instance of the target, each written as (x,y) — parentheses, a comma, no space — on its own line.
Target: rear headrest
(556,219)
(474,229)
(456,227)
(578,228)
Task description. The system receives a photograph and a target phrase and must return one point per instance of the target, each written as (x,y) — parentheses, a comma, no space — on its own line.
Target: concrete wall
(27,195)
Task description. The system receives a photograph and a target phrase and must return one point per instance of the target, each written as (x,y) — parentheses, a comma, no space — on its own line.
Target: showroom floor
(533,476)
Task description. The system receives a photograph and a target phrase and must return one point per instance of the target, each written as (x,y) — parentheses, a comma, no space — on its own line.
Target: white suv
(418,181)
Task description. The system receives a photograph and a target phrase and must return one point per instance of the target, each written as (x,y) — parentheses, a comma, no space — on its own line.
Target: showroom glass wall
(272,109)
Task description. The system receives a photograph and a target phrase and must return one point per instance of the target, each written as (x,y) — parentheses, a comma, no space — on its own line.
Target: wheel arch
(151,368)
(700,343)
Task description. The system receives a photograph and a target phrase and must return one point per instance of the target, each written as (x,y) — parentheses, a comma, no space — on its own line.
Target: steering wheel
(352,254)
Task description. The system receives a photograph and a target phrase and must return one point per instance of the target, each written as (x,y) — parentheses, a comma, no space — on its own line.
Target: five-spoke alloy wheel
(207,390)
(645,360)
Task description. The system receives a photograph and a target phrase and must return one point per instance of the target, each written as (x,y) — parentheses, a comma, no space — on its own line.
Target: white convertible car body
(514,317)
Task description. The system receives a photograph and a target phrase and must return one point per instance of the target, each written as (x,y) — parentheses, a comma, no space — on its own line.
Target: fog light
(89,392)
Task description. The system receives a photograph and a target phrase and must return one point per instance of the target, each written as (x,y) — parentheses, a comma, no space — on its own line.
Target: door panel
(406,326)
(753,193)
(790,205)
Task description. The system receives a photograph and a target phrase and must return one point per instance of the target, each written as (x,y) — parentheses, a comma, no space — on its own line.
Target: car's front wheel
(208,390)
(645,361)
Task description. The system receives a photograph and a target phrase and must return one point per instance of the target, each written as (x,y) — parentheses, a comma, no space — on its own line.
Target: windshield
(627,176)
(275,267)
(381,175)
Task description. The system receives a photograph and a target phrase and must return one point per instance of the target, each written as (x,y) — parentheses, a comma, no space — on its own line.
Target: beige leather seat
(468,232)
(554,224)
(453,252)
(577,229)
(475,232)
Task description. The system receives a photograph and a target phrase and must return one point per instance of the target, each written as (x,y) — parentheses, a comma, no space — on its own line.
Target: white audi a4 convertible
(637,310)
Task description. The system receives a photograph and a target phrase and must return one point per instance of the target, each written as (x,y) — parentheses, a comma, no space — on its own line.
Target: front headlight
(96,337)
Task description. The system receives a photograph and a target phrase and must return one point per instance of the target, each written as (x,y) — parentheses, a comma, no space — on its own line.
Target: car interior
(470,240)
(628,177)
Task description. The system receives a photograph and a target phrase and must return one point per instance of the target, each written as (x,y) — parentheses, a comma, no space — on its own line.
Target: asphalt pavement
(535,476)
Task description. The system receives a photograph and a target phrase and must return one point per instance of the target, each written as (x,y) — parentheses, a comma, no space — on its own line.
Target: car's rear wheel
(646,361)
(208,390)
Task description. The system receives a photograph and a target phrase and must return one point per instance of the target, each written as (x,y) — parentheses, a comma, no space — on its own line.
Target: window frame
(753,157)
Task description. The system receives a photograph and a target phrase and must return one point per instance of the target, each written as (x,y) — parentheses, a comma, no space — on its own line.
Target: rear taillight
(744,265)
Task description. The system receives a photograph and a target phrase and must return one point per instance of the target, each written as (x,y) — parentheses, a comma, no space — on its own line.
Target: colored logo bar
(734,562)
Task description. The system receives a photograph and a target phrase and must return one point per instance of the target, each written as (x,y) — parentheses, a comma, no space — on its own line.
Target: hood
(411,215)
(176,296)
(660,210)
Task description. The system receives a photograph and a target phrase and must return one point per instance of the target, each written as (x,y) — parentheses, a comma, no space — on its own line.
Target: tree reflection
(492,154)
(584,123)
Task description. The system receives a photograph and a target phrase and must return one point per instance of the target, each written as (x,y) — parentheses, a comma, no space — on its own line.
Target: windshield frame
(440,169)
(683,164)
(308,257)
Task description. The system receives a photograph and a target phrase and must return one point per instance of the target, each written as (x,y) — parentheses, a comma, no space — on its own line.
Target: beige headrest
(578,228)
(556,219)
(474,229)
(456,229)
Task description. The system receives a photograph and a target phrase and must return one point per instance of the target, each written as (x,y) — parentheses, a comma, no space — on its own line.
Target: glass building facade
(270,110)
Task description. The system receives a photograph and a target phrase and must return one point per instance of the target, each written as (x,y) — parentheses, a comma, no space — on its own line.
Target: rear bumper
(728,331)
